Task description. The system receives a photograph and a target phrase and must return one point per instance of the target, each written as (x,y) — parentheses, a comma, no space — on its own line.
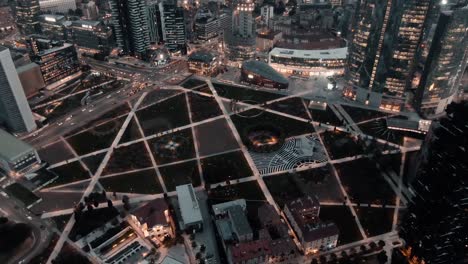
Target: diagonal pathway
(195,141)
(94,180)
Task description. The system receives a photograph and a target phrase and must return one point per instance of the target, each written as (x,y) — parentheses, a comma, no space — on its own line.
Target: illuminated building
(52,26)
(382,51)
(241,39)
(206,25)
(434,226)
(261,74)
(15,155)
(27,16)
(15,113)
(57,6)
(203,63)
(59,65)
(129,19)
(91,35)
(173,25)
(267,12)
(90,10)
(154,21)
(308,62)
(444,64)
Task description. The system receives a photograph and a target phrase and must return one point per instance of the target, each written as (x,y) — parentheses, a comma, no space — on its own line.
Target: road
(15,211)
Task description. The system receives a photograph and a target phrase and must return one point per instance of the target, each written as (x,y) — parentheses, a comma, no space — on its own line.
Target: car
(60,123)
(90,110)
(71,124)
(109,96)
(83,110)
(29,217)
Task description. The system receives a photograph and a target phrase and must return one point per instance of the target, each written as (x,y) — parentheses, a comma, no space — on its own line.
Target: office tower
(27,16)
(15,113)
(92,36)
(434,227)
(154,21)
(59,65)
(52,26)
(90,10)
(383,50)
(57,6)
(267,12)
(174,34)
(445,62)
(241,41)
(206,25)
(129,19)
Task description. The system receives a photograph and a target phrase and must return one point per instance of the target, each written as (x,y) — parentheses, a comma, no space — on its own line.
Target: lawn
(360,114)
(293,106)
(179,174)
(132,132)
(215,137)
(283,188)
(157,95)
(242,94)
(22,193)
(319,182)
(91,220)
(43,176)
(375,221)
(173,147)
(292,127)
(55,152)
(192,83)
(166,115)
(341,144)
(246,190)
(225,167)
(93,162)
(203,107)
(342,217)
(363,182)
(145,182)
(326,116)
(69,254)
(127,158)
(68,173)
(61,221)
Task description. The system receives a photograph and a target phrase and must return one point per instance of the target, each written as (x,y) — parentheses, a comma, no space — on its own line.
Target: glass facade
(27,16)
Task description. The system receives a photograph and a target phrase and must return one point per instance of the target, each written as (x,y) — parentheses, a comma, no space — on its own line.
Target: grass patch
(341,144)
(166,115)
(363,182)
(360,114)
(283,188)
(136,182)
(132,132)
(55,152)
(180,174)
(93,162)
(192,83)
(61,221)
(157,95)
(22,193)
(342,217)
(246,190)
(203,107)
(173,147)
(240,93)
(90,220)
(127,158)
(326,116)
(294,127)
(225,167)
(293,106)
(375,221)
(68,173)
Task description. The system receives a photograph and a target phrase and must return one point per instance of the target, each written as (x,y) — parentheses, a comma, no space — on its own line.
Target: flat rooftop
(329,54)
(11,147)
(188,204)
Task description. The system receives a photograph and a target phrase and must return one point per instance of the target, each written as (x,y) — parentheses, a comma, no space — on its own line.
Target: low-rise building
(153,219)
(266,40)
(189,208)
(53,26)
(16,156)
(251,252)
(221,208)
(203,63)
(261,74)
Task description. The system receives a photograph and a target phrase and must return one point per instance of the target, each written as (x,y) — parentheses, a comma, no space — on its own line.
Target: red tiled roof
(152,213)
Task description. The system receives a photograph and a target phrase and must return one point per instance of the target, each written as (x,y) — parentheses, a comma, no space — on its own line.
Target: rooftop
(188,203)
(90,23)
(222,207)
(320,231)
(152,213)
(239,220)
(27,67)
(11,147)
(265,70)
(203,56)
(250,250)
(329,54)
(55,49)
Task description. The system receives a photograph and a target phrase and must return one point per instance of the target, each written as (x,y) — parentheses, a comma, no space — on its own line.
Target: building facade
(27,16)
(444,64)
(173,27)
(206,25)
(31,79)
(267,12)
(189,208)
(154,21)
(15,112)
(52,26)
(57,6)
(203,63)
(16,156)
(383,49)
(241,39)
(93,36)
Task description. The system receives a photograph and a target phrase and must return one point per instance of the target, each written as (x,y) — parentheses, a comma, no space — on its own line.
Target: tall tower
(154,21)
(434,226)
(173,26)
(241,41)
(15,112)
(129,19)
(27,15)
(383,50)
(445,62)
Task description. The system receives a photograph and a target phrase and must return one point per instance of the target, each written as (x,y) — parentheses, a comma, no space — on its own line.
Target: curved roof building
(262,74)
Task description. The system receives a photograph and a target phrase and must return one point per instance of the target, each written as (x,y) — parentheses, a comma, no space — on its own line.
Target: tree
(198,255)
(382,257)
(194,244)
(96,203)
(110,204)
(202,248)
(71,12)
(381,243)
(90,207)
(373,245)
(363,248)
(3,220)
(314,261)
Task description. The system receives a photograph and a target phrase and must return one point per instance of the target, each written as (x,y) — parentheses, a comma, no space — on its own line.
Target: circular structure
(105,128)
(251,113)
(171,146)
(263,138)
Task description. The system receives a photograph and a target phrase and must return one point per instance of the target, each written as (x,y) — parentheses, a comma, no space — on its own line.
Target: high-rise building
(444,60)
(241,40)
(57,6)
(90,10)
(129,19)
(93,36)
(173,27)
(154,21)
(383,51)
(267,12)
(52,26)
(206,25)
(15,112)
(27,16)
(434,227)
